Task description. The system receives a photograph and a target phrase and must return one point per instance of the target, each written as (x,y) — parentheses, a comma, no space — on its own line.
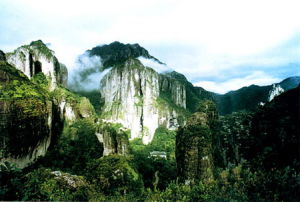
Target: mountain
(140,98)
(149,123)
(249,98)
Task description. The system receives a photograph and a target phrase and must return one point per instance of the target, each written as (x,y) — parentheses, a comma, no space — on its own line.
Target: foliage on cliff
(25,104)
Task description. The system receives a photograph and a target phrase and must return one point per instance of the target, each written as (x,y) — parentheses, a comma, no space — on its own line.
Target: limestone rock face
(131,94)
(26,121)
(37,57)
(174,89)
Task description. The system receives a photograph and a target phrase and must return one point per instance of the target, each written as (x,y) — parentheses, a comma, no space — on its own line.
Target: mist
(160,68)
(87,73)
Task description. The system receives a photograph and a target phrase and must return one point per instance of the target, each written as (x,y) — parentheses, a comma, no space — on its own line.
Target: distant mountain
(249,98)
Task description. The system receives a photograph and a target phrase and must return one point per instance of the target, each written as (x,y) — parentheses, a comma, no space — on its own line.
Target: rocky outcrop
(114,138)
(132,97)
(194,150)
(194,153)
(37,57)
(276,90)
(72,106)
(26,121)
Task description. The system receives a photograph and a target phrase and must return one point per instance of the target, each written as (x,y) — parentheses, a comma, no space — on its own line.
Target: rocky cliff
(133,97)
(37,57)
(27,117)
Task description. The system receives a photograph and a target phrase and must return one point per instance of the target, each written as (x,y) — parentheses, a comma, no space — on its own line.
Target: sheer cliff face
(131,93)
(174,88)
(36,57)
(27,117)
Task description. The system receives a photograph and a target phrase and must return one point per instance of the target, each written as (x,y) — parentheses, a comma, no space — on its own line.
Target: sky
(219,45)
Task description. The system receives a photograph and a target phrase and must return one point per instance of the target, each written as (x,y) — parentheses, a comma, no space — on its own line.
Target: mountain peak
(117,52)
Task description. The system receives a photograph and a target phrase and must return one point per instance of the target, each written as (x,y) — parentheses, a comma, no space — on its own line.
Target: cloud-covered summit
(96,62)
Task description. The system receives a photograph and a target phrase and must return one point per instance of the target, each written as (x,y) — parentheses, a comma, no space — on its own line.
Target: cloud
(154,65)
(87,74)
(258,78)
(205,40)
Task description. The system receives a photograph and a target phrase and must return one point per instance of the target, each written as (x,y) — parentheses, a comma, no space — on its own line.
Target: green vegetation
(41,80)
(147,166)
(74,149)
(164,103)
(193,94)
(26,105)
(17,86)
(41,49)
(113,175)
(45,185)
(81,105)
(95,99)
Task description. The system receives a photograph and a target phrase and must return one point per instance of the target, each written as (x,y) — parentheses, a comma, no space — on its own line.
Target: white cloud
(87,73)
(258,78)
(154,65)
